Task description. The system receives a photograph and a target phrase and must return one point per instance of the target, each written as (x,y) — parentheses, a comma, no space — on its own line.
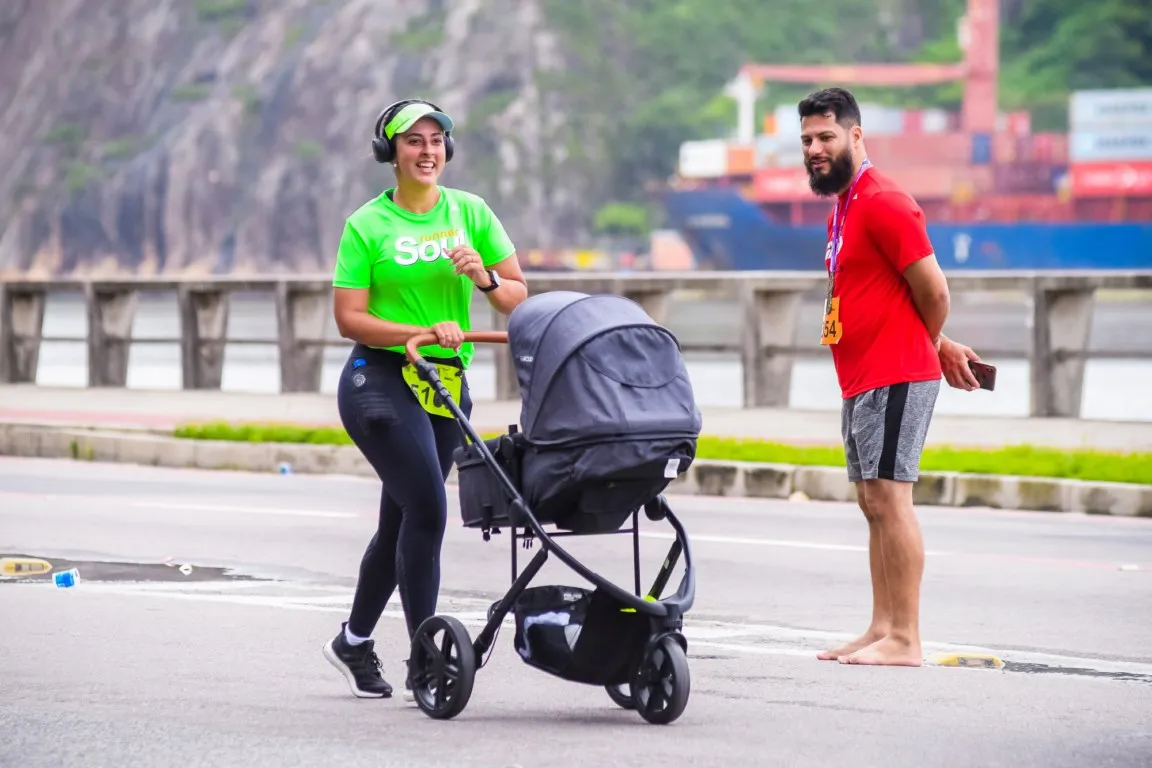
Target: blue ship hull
(726,231)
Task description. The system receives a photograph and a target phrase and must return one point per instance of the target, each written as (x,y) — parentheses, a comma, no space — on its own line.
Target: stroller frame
(441,676)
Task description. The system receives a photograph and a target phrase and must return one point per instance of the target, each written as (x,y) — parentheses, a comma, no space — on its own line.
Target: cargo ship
(997,195)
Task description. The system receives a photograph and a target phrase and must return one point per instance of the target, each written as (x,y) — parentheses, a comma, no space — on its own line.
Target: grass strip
(1017,460)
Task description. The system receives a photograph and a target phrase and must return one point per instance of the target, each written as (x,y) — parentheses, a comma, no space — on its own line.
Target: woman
(408,263)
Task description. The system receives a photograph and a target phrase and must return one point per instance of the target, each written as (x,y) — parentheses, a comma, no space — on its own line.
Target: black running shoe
(360,666)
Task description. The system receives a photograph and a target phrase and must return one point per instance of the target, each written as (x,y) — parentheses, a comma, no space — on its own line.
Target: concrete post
(111,310)
(301,311)
(507,385)
(1061,325)
(203,333)
(655,303)
(769,327)
(21,325)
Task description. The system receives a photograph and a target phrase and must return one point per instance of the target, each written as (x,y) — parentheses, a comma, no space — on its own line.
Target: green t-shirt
(402,259)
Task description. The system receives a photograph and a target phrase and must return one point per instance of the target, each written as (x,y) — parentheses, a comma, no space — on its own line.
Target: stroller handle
(427,337)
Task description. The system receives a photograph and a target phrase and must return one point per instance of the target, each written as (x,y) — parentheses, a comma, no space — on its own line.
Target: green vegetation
(622,219)
(125,147)
(231,27)
(263,433)
(1025,461)
(191,92)
(249,96)
(647,75)
(423,33)
(78,176)
(70,136)
(294,34)
(1021,460)
(228,15)
(308,149)
(219,10)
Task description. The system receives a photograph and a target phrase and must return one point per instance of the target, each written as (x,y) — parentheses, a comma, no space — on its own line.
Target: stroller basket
(580,635)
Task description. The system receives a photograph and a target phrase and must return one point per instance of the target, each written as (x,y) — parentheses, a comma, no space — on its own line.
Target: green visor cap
(408,116)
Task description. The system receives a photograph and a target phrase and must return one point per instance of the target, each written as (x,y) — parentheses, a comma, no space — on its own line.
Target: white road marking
(731,637)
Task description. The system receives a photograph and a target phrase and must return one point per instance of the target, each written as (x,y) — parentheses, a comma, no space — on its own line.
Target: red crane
(980,38)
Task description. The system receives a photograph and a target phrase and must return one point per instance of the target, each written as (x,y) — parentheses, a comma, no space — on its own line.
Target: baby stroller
(608,421)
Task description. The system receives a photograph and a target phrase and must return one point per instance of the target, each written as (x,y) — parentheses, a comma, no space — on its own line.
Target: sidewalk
(163,410)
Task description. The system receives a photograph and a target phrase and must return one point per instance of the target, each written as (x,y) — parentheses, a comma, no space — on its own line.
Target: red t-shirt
(884,339)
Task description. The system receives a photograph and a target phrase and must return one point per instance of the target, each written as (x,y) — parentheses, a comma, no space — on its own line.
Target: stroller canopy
(595,367)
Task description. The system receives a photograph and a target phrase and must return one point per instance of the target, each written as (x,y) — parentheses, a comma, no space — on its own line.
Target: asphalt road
(207,669)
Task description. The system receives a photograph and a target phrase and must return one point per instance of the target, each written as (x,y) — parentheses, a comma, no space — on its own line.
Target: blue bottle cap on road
(66,579)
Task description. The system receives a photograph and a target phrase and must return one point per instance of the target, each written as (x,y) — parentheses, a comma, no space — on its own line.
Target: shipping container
(780,185)
(1008,209)
(877,120)
(981,149)
(765,148)
(811,212)
(1018,123)
(1120,144)
(1026,178)
(1014,123)
(1139,208)
(978,180)
(787,121)
(919,149)
(1043,148)
(913,121)
(1111,209)
(704,159)
(934,121)
(1005,148)
(779,151)
(1033,148)
(1110,108)
(936,211)
(1111,179)
(741,160)
(941,181)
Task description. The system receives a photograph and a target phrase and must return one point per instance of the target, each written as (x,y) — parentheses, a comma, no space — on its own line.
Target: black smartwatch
(495,278)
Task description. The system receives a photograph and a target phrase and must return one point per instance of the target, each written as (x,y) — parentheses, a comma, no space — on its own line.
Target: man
(886,304)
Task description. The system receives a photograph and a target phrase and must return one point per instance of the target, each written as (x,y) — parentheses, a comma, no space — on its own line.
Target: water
(1113,389)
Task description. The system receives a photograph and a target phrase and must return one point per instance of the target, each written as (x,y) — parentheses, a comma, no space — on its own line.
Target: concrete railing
(1062,305)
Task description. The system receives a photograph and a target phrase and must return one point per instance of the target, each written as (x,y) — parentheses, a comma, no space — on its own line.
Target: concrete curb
(706,477)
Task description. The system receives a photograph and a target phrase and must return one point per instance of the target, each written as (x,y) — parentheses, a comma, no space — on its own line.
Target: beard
(838,175)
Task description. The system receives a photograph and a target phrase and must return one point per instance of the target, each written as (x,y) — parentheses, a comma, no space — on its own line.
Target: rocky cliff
(199,136)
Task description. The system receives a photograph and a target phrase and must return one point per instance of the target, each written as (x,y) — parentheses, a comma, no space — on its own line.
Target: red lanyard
(838,221)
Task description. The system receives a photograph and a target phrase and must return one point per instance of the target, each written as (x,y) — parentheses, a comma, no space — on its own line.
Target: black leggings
(411,451)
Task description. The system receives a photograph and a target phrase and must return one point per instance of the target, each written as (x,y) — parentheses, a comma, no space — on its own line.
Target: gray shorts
(884,430)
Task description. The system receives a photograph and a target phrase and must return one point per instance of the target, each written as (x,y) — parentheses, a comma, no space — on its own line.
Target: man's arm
(898,228)
(930,294)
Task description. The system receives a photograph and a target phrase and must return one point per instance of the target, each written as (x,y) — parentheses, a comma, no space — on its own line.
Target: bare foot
(866,639)
(886,652)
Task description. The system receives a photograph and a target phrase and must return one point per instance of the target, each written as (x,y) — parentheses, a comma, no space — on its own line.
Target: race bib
(452,378)
(833,329)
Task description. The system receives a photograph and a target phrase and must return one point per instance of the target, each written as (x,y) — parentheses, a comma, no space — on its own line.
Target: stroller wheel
(621,695)
(441,667)
(661,685)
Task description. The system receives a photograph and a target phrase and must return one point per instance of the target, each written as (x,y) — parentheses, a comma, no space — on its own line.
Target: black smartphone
(985,374)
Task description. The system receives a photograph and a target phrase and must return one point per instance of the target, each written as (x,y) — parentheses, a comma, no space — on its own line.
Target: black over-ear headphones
(384,149)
